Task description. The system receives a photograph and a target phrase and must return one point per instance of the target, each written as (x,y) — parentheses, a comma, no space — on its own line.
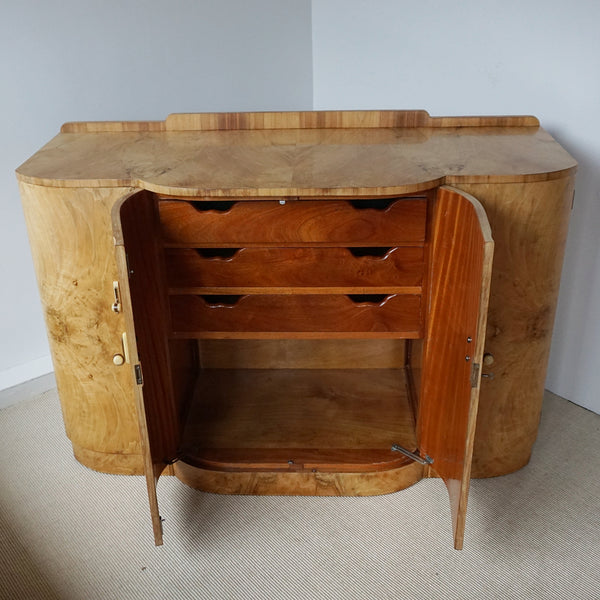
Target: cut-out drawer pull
(250,270)
(219,205)
(221,300)
(373,204)
(295,315)
(371,252)
(217,253)
(266,222)
(376,299)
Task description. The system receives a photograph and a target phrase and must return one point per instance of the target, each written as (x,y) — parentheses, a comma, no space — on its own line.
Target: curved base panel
(265,483)
(114,464)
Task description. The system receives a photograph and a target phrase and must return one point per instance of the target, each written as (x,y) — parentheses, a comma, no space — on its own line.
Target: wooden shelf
(226,290)
(318,420)
(296,316)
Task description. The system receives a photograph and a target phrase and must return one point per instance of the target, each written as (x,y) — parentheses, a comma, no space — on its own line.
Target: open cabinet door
(144,302)
(460,256)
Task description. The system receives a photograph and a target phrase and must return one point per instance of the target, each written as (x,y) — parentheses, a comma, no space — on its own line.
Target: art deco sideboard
(297,303)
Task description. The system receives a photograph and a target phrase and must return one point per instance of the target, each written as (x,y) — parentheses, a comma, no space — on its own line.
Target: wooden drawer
(256,316)
(337,222)
(274,269)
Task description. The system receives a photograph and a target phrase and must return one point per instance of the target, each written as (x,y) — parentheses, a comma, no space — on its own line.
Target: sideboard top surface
(317,153)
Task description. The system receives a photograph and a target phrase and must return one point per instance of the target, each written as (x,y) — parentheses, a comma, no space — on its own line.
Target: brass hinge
(475,374)
(139,378)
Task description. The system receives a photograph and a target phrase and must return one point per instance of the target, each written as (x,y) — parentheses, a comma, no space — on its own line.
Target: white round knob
(488,359)
(118,359)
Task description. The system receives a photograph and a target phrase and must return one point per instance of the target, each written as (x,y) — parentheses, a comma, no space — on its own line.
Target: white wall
(67,60)
(481,57)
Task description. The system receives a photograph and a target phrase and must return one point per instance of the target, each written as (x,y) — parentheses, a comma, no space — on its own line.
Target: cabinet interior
(316,405)
(301,341)
(318,338)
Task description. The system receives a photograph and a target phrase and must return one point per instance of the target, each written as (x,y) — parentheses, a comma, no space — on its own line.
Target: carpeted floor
(69,533)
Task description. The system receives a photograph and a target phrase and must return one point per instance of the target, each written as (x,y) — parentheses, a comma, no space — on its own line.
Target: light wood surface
(529,224)
(334,119)
(318,119)
(115,463)
(318,161)
(99,412)
(395,153)
(300,483)
(72,247)
(460,270)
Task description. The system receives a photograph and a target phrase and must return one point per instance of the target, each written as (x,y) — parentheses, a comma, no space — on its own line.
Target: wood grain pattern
(337,222)
(334,119)
(330,162)
(529,223)
(306,270)
(414,370)
(302,354)
(298,120)
(322,409)
(110,462)
(72,248)
(286,460)
(145,307)
(334,420)
(415,348)
(280,316)
(521,174)
(460,271)
(300,483)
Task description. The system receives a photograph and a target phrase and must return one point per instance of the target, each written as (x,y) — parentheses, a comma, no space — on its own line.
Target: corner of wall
(20,374)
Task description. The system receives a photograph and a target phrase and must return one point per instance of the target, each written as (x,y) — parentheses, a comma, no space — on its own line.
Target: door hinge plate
(139,378)
(475,374)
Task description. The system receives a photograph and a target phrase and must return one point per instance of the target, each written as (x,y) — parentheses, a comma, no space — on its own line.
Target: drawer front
(337,222)
(296,316)
(198,270)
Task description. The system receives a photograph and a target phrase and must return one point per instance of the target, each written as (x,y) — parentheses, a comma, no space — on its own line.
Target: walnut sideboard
(296,303)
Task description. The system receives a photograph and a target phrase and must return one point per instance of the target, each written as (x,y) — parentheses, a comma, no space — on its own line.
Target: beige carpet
(69,533)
